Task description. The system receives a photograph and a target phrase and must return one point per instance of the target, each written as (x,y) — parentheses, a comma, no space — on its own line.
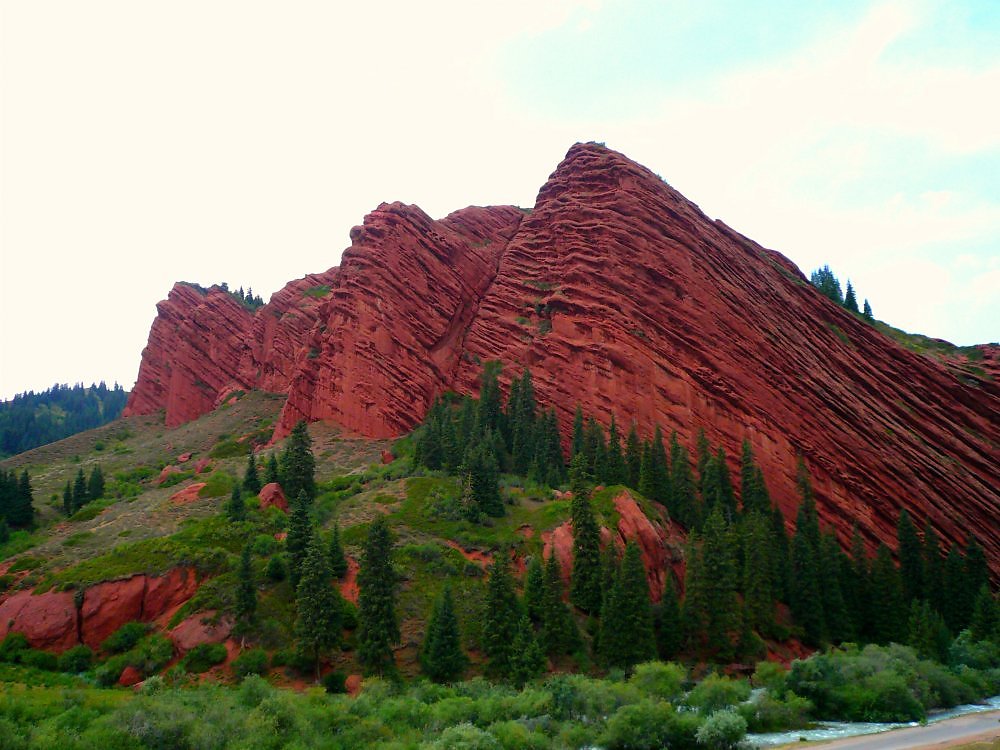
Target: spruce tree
(489,413)
(298,465)
(22,513)
(667,620)
(246,591)
(4,531)
(889,614)
(299,533)
(719,569)
(926,632)
(501,615)
(682,486)
(694,609)
(850,299)
(781,556)
(633,457)
(68,506)
(576,444)
(95,485)
(806,596)
(585,590)
(616,471)
(534,589)
(319,607)
(441,655)
(726,498)
(661,471)
(977,571)
(558,633)
(758,591)
(957,607)
(911,563)
(522,424)
(236,508)
(839,626)
(335,553)
(985,622)
(526,660)
(627,636)
(378,626)
(753,493)
(271,471)
(933,569)
(860,603)
(868,312)
(480,467)
(595,450)
(251,480)
(80,497)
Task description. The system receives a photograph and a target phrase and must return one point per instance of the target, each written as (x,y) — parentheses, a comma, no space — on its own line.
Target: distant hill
(31,419)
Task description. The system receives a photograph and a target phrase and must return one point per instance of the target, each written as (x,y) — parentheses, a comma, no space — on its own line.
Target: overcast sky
(145,143)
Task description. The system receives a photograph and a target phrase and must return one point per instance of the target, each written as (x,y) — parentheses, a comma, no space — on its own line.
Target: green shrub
(218,484)
(264,545)
(465,737)
(335,682)
(12,647)
(203,657)
(275,569)
(770,675)
(723,730)
(659,680)
(39,660)
(108,673)
(768,713)
(152,654)
(228,449)
(176,478)
(640,726)
(715,693)
(250,662)
(75,660)
(514,735)
(25,563)
(125,638)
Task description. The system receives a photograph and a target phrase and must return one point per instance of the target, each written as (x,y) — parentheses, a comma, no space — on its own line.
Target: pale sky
(145,143)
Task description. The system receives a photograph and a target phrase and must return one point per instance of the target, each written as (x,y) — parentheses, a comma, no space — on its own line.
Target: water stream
(835,730)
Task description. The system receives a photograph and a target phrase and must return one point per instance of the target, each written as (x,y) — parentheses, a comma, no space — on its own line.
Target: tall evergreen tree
(68,505)
(647,480)
(335,553)
(806,596)
(4,530)
(662,491)
(957,606)
(319,607)
(726,498)
(827,284)
(703,451)
(667,620)
(927,633)
(526,660)
(753,492)
(251,479)
(585,590)
(480,467)
(758,591)
(298,465)
(933,569)
(633,457)
(911,562)
(781,556)
(868,312)
(95,484)
(21,513)
(246,591)
(859,602)
(378,626)
(80,497)
(985,622)
(596,451)
(236,508)
(682,486)
(719,569)
(627,636)
(694,609)
(489,412)
(534,589)
(576,444)
(839,626)
(977,571)
(558,634)
(299,533)
(272,474)
(889,614)
(522,424)
(850,299)
(616,470)
(441,655)
(501,616)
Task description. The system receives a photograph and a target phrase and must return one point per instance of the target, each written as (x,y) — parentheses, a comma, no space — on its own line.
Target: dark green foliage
(319,607)
(246,590)
(850,299)
(68,506)
(889,614)
(534,589)
(378,626)
(95,484)
(595,451)
(300,531)
(839,626)
(32,419)
(859,601)
(719,570)
(489,414)
(667,621)
(251,480)
(753,491)
(521,422)
(125,638)
(585,591)
(927,633)
(236,508)
(911,559)
(251,661)
(977,571)
(335,682)
(633,457)
(441,656)
(203,657)
(4,531)
(559,634)
(482,480)
(868,312)
(75,660)
(616,472)
(338,560)
(272,473)
(933,569)
(501,615)
(827,284)
(806,596)
(627,636)
(276,570)
(694,610)
(957,604)
(685,503)
(298,465)
(526,660)
(577,441)
(80,496)
(985,622)
(758,585)
(12,646)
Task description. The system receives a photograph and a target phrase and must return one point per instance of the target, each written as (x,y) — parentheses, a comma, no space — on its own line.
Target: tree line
(829,286)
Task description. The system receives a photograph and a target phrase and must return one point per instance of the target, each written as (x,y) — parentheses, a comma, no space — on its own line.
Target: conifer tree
(616,471)
(526,660)
(271,471)
(236,509)
(933,569)
(661,471)
(95,484)
(719,570)
(335,553)
(806,596)
(827,284)
(68,505)
(21,512)
(80,497)
(489,413)
(4,530)
(889,614)
(534,589)
(977,571)
(839,626)
(548,448)
(627,636)
(781,556)
(667,621)
(703,450)
(860,601)
(868,312)
(985,622)
(911,563)
(480,467)
(850,299)
(957,607)
(753,493)
(522,424)
(633,457)
(927,633)
(682,486)
(299,533)
(558,634)
(319,607)
(647,482)
(576,444)
(596,451)
(758,592)
(441,656)
(726,497)
(585,590)
(246,591)
(378,626)
(501,616)
(298,465)
(251,480)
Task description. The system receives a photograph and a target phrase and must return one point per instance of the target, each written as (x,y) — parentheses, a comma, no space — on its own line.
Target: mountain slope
(621,295)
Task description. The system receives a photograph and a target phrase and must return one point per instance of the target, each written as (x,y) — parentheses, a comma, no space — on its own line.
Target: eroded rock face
(272,494)
(107,606)
(47,620)
(200,628)
(620,295)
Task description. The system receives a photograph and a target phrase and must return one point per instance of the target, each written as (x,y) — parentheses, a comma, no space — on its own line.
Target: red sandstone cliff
(622,295)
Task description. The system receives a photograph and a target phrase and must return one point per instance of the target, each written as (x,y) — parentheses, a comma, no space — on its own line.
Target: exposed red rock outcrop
(272,494)
(107,606)
(47,620)
(199,629)
(188,494)
(130,676)
(620,295)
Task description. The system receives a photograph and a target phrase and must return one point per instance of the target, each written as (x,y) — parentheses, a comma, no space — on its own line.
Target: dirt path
(978,727)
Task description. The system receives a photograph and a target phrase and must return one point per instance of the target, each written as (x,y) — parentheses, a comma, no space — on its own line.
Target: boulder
(271,494)
(47,620)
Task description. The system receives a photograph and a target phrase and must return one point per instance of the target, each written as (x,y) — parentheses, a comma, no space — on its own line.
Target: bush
(722,730)
(466,737)
(12,647)
(108,673)
(275,570)
(39,660)
(203,657)
(768,713)
(218,484)
(264,545)
(771,676)
(250,662)
(152,654)
(125,638)
(715,693)
(659,680)
(640,726)
(75,660)
(335,682)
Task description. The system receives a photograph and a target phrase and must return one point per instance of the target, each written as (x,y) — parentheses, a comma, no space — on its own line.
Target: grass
(317,292)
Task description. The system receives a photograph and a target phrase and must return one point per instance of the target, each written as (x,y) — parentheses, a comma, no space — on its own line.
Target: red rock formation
(272,494)
(107,606)
(621,295)
(130,676)
(188,494)
(47,620)
(199,629)
(164,594)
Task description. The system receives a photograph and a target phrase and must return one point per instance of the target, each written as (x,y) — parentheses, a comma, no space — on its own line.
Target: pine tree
(647,482)
(489,413)
(335,554)
(781,556)
(985,622)
(585,590)
(977,571)
(299,533)
(558,634)
(850,300)
(68,505)
(719,569)
(703,451)
(441,656)
(753,493)
(319,607)
(661,471)
(251,480)
(483,474)
(80,497)
(927,633)
(298,465)
(616,470)
(887,591)
(827,284)
(500,617)
(806,596)
(596,451)
(534,589)
(933,569)
(246,591)
(694,610)
(378,626)
(627,636)
(860,601)
(271,471)
(521,418)
(95,485)
(957,607)
(667,620)
(839,626)
(685,502)
(726,498)
(911,563)
(868,312)
(526,660)
(22,513)
(576,444)
(758,592)
(236,509)
(633,457)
